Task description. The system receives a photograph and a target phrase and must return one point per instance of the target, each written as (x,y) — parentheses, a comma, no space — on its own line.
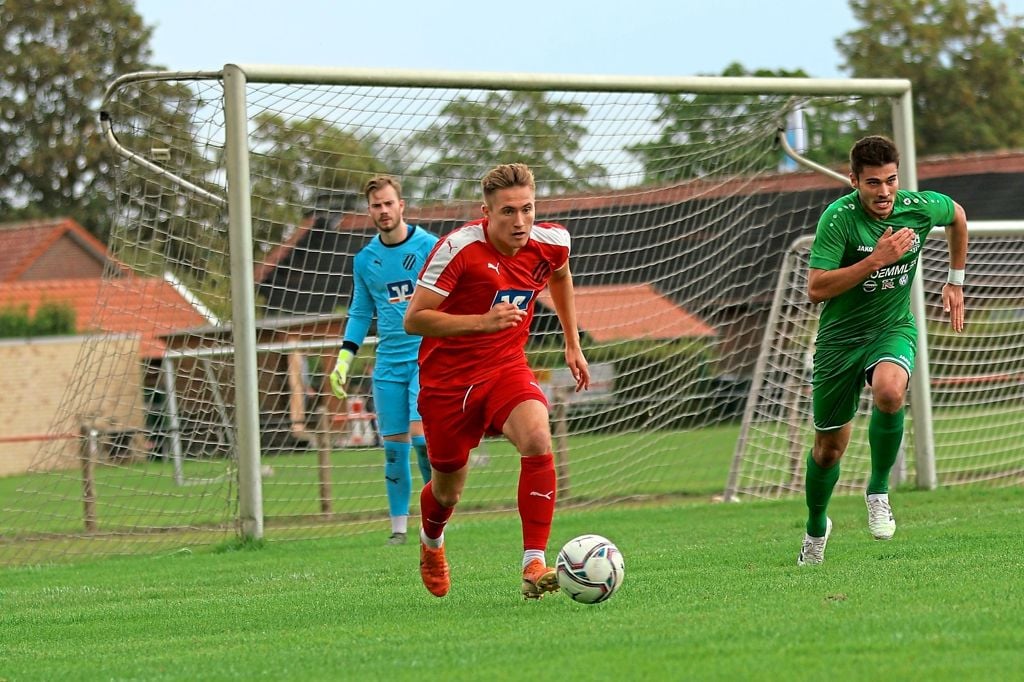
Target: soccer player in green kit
(863,261)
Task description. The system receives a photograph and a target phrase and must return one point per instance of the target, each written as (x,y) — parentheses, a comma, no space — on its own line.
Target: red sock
(433,516)
(536,499)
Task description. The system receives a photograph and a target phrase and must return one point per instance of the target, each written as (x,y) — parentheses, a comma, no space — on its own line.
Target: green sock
(818,486)
(885,433)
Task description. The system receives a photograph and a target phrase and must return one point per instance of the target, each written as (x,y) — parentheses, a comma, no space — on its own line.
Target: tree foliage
(57,57)
(698,133)
(964,59)
(50,319)
(506,127)
(302,163)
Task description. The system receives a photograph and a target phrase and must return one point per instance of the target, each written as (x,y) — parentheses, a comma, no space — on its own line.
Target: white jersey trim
(450,247)
(559,236)
(436,290)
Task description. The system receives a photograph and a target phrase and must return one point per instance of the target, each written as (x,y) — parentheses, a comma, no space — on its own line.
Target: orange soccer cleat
(538,579)
(434,570)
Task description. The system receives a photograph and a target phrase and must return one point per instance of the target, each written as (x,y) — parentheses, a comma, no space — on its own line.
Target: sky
(614,37)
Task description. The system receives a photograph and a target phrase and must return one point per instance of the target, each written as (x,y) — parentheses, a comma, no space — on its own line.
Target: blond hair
(505,176)
(380,182)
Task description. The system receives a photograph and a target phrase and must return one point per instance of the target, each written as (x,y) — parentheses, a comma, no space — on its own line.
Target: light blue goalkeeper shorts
(396,387)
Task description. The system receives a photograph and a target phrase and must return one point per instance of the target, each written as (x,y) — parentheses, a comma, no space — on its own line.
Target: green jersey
(847,234)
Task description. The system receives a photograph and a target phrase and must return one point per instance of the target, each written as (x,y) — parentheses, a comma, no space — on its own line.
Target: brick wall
(51,385)
(64,260)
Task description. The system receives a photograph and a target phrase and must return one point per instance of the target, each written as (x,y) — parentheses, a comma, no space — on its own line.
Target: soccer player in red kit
(472,305)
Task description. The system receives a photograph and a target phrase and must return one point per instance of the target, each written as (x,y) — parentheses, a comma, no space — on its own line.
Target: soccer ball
(590,569)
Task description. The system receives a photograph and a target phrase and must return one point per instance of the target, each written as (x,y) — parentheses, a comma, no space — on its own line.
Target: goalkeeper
(863,262)
(385,275)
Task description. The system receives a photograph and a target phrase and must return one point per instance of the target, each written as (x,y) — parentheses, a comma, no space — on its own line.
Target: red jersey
(473,276)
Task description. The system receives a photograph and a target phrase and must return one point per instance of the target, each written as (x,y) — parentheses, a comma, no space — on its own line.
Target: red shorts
(455,420)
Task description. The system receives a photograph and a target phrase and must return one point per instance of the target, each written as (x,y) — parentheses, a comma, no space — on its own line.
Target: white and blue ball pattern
(590,569)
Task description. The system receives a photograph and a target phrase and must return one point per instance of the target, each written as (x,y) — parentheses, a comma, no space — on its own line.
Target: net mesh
(976,381)
(679,214)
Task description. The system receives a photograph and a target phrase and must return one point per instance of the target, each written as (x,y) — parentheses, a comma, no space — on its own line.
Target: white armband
(955,277)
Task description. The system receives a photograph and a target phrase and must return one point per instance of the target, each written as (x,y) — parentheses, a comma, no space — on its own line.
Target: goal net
(976,379)
(680,206)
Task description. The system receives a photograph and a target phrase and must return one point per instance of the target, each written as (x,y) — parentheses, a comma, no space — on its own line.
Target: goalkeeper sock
(398,477)
(818,487)
(420,444)
(885,433)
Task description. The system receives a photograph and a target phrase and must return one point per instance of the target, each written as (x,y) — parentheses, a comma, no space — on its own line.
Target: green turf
(145,494)
(711,592)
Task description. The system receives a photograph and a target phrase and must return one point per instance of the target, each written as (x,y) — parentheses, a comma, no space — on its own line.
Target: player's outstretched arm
(953,291)
(563,296)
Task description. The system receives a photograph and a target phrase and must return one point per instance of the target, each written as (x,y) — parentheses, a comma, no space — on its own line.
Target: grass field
(711,592)
(144,494)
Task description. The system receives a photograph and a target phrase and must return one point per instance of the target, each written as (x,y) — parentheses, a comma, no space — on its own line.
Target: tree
(306,163)
(50,319)
(57,58)
(697,133)
(963,58)
(505,127)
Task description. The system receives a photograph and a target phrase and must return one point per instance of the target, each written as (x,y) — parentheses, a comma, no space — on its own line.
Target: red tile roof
(23,243)
(144,305)
(631,311)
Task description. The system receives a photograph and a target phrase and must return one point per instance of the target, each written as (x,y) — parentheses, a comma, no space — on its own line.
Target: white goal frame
(239,200)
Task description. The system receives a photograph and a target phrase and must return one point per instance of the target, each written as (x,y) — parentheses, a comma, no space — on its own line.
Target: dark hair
(380,182)
(874,150)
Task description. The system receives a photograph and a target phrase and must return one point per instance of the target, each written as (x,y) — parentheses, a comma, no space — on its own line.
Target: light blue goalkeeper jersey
(385,277)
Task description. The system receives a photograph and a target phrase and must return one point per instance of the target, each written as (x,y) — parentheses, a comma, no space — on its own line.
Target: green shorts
(841,372)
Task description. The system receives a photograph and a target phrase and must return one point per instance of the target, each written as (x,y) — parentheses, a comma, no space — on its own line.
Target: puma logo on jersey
(493,266)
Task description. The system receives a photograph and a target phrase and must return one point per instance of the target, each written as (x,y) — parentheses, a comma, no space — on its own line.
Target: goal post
(236,147)
(243,186)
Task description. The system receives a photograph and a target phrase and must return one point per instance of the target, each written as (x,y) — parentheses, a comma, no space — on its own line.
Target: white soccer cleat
(813,550)
(880,519)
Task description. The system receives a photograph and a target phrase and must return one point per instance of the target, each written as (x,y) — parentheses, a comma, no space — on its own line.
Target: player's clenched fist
(502,316)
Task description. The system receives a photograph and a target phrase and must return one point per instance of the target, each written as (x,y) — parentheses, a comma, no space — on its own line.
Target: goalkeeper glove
(340,374)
